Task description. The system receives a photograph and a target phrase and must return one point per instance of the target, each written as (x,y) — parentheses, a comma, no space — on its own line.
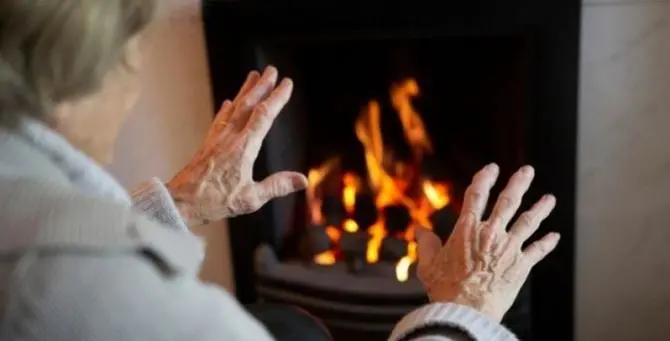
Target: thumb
(280,184)
(428,244)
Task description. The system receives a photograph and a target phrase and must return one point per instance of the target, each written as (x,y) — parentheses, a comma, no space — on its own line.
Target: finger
(510,198)
(477,194)
(278,185)
(487,237)
(252,79)
(256,94)
(265,113)
(221,119)
(465,238)
(224,115)
(536,252)
(530,220)
(428,245)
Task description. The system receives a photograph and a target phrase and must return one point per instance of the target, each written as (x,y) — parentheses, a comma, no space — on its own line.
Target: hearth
(394,109)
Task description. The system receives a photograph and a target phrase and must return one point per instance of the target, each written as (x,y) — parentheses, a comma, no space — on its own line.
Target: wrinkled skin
(482,265)
(218,183)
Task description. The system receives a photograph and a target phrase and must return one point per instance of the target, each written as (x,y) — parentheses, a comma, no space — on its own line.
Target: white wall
(623,236)
(173,116)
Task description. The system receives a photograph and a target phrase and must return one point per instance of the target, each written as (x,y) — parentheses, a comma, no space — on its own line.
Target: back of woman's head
(53,51)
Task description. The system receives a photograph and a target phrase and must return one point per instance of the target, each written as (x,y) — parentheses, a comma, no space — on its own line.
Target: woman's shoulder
(61,249)
(95,270)
(105,295)
(20,158)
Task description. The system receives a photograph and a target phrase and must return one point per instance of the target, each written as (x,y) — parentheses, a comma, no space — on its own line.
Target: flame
(369,134)
(413,127)
(351,186)
(390,181)
(377,234)
(328,257)
(325,258)
(402,268)
(437,194)
(314,178)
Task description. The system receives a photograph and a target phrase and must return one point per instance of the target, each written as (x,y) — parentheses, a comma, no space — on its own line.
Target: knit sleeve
(420,324)
(153,199)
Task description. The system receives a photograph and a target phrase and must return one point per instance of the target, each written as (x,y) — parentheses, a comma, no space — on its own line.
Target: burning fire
(391,182)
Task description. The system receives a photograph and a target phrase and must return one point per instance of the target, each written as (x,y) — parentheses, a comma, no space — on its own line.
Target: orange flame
(413,127)
(314,178)
(389,180)
(377,235)
(351,187)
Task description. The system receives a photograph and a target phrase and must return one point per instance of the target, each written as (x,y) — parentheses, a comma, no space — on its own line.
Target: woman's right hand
(482,264)
(218,182)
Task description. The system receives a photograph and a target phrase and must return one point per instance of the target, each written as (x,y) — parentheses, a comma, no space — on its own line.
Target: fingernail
(548,197)
(492,167)
(556,236)
(527,170)
(299,182)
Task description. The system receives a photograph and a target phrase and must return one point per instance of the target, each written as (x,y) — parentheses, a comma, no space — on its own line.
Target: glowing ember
(402,269)
(388,181)
(325,258)
(314,178)
(350,226)
(333,233)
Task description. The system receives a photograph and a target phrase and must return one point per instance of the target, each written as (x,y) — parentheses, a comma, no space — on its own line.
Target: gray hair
(58,50)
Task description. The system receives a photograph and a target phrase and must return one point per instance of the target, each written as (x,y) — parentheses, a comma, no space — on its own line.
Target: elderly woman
(80,259)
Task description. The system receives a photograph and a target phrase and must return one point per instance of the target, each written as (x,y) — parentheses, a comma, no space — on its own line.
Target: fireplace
(394,109)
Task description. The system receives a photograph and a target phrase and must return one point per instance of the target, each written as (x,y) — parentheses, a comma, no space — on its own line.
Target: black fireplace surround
(498,83)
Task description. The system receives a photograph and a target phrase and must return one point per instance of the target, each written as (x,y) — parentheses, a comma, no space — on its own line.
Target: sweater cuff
(153,199)
(472,322)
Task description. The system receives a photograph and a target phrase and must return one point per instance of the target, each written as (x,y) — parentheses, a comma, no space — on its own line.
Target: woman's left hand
(218,182)
(483,263)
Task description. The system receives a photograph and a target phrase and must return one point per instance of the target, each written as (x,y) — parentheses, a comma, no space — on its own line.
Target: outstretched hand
(218,182)
(482,264)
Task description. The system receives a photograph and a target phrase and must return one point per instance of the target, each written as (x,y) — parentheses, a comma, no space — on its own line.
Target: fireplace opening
(390,123)
(393,131)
